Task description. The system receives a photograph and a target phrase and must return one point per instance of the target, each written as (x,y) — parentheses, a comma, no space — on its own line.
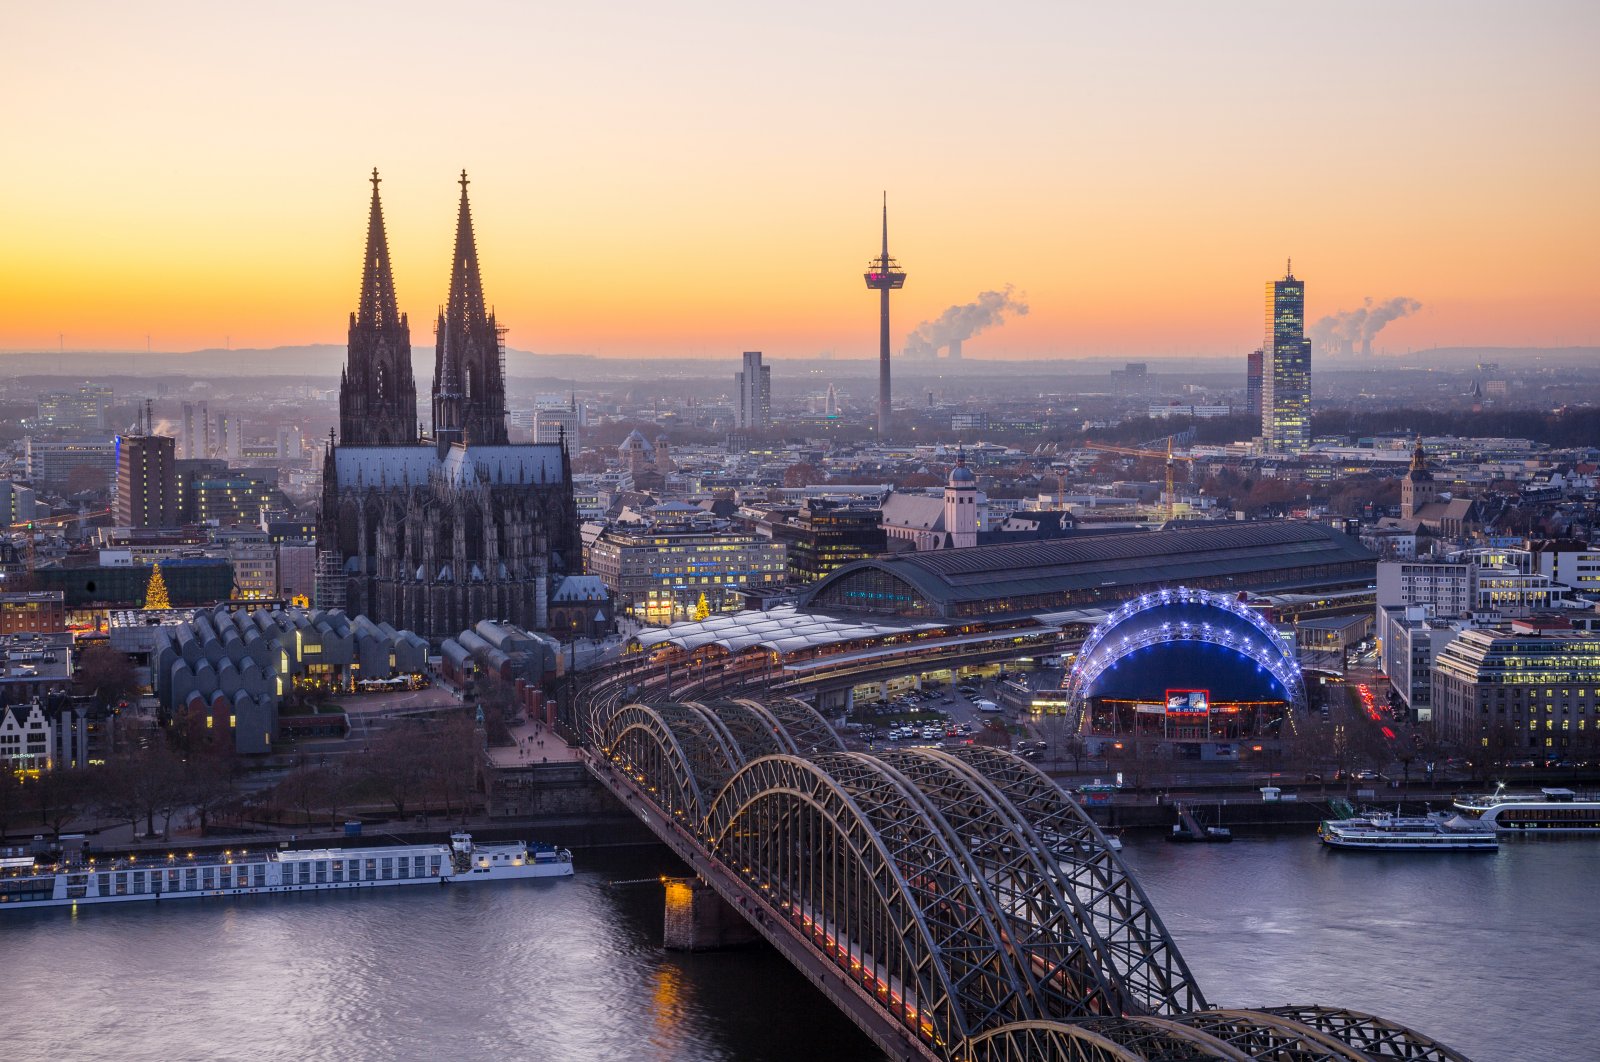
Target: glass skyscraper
(1286,376)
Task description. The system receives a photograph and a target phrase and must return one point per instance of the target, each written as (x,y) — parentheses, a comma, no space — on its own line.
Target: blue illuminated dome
(1186,639)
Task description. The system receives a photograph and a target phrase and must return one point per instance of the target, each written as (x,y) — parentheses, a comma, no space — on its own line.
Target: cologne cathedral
(435,532)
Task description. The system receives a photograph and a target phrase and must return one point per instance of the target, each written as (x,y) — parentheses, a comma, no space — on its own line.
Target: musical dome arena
(1186,664)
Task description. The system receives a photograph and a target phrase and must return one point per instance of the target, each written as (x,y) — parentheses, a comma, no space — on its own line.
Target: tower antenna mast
(883,276)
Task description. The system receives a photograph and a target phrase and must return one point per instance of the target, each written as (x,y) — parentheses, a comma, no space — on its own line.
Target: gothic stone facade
(435,533)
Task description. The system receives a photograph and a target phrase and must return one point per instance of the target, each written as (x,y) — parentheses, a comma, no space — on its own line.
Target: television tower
(883,276)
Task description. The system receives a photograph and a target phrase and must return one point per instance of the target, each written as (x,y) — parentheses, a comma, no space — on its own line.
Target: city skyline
(622,163)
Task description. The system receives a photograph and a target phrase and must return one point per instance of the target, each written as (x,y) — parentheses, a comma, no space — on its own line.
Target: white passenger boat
(1547,811)
(23,883)
(1380,831)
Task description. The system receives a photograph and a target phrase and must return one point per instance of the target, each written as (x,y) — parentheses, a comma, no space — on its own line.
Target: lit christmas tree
(155,595)
(702,609)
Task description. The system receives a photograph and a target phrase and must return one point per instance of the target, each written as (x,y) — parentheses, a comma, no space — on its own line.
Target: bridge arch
(1184,615)
(838,849)
(1029,1041)
(1152,974)
(669,751)
(755,729)
(1076,973)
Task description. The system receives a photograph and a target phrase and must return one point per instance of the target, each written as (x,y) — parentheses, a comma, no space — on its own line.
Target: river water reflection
(1493,954)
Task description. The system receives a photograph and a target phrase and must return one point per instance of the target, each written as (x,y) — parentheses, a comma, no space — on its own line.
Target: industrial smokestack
(1340,332)
(960,323)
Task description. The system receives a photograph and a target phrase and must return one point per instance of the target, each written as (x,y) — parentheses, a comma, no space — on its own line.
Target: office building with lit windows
(1286,369)
(1520,690)
(825,536)
(70,464)
(236,499)
(658,574)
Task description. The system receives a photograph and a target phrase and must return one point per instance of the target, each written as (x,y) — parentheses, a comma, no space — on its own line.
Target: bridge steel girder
(752,728)
(1374,1037)
(812,735)
(805,844)
(1072,967)
(644,741)
(1136,945)
(1031,1041)
(1260,1037)
(954,895)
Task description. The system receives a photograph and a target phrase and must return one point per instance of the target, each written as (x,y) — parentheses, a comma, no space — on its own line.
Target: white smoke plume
(1355,329)
(960,323)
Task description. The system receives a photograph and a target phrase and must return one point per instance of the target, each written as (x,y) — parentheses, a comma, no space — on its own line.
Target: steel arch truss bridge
(959,893)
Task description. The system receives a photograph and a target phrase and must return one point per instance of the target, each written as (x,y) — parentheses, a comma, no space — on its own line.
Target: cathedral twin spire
(469,402)
(379,308)
(377,395)
(378,392)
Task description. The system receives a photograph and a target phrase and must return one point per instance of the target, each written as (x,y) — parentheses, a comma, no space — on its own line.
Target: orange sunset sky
(698,179)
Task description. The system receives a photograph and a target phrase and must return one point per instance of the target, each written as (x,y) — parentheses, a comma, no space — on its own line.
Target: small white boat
(1379,831)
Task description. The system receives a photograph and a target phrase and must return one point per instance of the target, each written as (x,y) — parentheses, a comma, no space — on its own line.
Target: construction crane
(57,521)
(1171,459)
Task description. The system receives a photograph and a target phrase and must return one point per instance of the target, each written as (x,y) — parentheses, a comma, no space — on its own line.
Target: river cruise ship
(23,883)
(1547,811)
(1380,831)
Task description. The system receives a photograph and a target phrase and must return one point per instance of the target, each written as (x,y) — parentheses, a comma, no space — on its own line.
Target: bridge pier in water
(698,919)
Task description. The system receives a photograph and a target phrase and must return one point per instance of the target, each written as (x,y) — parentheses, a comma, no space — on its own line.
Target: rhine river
(1495,955)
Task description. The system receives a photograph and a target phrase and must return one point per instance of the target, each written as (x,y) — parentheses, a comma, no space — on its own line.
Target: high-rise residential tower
(754,382)
(147,484)
(196,431)
(883,276)
(1286,369)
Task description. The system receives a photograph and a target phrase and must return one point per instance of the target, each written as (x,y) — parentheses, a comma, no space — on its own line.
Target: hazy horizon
(705,179)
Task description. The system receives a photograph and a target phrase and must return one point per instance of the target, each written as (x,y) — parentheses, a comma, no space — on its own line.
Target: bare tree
(11,796)
(336,785)
(453,769)
(208,787)
(59,796)
(148,781)
(300,789)
(397,763)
